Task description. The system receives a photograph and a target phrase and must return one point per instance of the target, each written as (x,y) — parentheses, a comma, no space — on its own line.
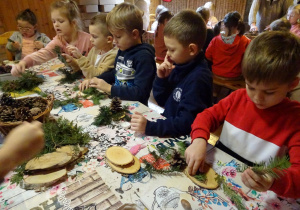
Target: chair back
(3,41)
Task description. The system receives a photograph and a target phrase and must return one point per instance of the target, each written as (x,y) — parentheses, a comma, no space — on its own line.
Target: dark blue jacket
(134,71)
(185,93)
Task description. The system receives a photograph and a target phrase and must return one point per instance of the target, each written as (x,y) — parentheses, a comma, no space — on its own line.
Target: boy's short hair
(272,57)
(125,17)
(204,12)
(281,24)
(100,20)
(187,27)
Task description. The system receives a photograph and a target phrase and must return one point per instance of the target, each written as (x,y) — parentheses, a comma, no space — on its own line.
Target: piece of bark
(42,181)
(49,161)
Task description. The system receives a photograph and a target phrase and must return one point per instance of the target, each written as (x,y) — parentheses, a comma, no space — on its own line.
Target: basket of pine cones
(15,111)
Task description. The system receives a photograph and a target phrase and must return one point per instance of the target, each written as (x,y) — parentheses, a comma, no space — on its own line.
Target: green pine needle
(69,76)
(58,51)
(233,195)
(201,177)
(276,167)
(58,103)
(26,82)
(96,95)
(105,116)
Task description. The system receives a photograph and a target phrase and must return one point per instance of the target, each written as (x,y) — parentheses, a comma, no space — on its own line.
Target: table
(92,184)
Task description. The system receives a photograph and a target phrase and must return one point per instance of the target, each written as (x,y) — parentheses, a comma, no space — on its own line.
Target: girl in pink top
(294,17)
(65,17)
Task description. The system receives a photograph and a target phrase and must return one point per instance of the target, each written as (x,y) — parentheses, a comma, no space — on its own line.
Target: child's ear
(294,83)
(193,49)
(35,27)
(110,39)
(136,34)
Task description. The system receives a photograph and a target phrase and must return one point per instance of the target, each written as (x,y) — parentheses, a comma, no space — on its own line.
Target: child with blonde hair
(65,18)
(212,21)
(259,122)
(28,39)
(135,67)
(281,24)
(102,56)
(294,17)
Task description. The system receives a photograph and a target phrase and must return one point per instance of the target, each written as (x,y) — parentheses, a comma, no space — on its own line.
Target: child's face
(26,29)
(123,39)
(292,16)
(267,95)
(98,39)
(61,24)
(176,51)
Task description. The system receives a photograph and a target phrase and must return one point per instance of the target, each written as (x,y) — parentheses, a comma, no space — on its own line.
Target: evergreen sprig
(234,197)
(58,103)
(58,51)
(105,116)
(276,167)
(96,95)
(18,176)
(69,76)
(201,177)
(62,132)
(26,82)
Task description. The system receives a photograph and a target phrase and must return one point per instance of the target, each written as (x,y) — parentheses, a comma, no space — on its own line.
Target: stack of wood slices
(121,160)
(51,168)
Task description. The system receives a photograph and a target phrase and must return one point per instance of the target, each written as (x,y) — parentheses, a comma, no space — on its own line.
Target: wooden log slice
(118,155)
(49,161)
(36,182)
(130,168)
(210,183)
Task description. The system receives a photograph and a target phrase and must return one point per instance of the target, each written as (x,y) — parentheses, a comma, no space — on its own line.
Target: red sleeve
(289,185)
(211,118)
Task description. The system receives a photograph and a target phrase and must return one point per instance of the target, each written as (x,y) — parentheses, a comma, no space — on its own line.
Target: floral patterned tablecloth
(92,184)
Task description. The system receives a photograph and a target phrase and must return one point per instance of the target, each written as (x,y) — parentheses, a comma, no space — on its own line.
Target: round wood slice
(49,161)
(118,155)
(130,168)
(210,183)
(44,180)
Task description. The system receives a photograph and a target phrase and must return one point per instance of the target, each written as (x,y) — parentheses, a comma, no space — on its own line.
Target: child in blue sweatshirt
(135,65)
(183,84)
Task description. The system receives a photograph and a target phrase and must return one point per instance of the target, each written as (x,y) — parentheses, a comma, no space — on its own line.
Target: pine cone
(115,105)
(7,114)
(23,114)
(6,100)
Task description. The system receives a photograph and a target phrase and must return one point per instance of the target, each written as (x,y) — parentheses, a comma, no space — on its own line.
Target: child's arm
(21,144)
(138,122)
(84,84)
(71,62)
(88,68)
(13,45)
(195,156)
(252,15)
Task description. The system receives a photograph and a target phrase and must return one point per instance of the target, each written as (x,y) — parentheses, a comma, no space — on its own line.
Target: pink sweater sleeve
(47,53)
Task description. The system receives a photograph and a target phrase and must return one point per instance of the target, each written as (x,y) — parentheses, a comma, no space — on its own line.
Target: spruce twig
(276,167)
(58,51)
(233,196)
(69,77)
(28,81)
(95,94)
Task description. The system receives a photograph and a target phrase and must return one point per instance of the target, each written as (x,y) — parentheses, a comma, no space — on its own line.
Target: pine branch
(96,95)
(57,50)
(105,116)
(233,196)
(58,103)
(276,167)
(18,176)
(69,77)
(28,81)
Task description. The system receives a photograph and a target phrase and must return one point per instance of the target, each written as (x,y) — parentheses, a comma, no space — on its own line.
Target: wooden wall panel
(10,8)
(222,6)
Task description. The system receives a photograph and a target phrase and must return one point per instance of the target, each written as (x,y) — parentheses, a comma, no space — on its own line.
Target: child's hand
(38,45)
(25,141)
(74,51)
(195,156)
(16,45)
(253,27)
(165,68)
(18,69)
(260,183)
(84,85)
(138,122)
(100,84)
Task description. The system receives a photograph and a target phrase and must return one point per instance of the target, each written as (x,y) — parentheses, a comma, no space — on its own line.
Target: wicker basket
(6,127)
